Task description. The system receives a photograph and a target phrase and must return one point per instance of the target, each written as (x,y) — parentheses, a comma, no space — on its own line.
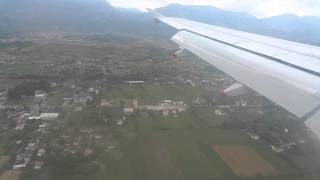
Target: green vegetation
(16,44)
(19,68)
(2,150)
(27,88)
(56,96)
(152,93)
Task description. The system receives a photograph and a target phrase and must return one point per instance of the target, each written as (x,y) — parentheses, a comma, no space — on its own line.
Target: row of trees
(27,88)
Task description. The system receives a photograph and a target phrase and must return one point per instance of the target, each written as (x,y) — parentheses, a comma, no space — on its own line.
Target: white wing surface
(287,73)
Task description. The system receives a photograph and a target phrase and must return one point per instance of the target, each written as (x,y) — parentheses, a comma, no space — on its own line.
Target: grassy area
(2,150)
(56,97)
(151,93)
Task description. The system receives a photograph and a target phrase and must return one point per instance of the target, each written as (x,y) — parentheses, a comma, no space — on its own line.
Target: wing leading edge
(285,72)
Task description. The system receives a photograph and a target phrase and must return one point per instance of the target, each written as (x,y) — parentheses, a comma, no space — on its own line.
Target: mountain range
(98,16)
(288,26)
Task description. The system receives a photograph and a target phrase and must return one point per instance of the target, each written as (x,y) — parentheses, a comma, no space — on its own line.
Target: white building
(41,96)
(41,152)
(128,110)
(49,116)
(134,82)
(218,112)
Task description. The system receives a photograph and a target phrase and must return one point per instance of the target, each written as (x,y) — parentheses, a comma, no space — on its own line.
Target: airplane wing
(287,73)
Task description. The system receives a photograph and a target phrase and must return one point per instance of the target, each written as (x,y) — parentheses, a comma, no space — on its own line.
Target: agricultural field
(244,161)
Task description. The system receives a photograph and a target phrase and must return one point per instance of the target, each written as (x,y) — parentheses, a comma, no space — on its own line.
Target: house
(128,110)
(167,101)
(165,113)
(39,94)
(33,118)
(277,149)
(49,116)
(253,136)
(218,112)
(106,103)
(120,122)
(41,152)
(38,165)
(19,166)
(93,91)
(134,82)
(135,103)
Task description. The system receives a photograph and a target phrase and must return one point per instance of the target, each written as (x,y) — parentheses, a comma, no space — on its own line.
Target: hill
(98,16)
(291,27)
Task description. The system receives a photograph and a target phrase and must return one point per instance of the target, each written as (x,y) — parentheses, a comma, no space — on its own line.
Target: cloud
(259,8)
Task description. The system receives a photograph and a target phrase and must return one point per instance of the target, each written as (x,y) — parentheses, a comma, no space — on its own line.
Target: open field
(244,161)
(10,175)
(152,93)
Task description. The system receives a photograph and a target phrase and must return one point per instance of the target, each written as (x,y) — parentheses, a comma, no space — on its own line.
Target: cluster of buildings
(80,99)
(26,155)
(23,158)
(40,118)
(166,107)
(33,152)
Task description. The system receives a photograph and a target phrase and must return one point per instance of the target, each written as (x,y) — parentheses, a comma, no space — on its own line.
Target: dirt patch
(4,160)
(244,161)
(10,175)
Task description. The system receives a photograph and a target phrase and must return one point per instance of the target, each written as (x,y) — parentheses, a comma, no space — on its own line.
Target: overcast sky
(259,8)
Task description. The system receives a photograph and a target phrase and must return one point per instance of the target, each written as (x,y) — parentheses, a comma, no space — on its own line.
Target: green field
(151,93)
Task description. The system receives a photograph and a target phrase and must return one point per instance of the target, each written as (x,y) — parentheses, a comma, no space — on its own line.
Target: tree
(27,88)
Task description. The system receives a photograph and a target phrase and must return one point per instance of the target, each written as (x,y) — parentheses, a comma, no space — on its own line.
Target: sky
(259,8)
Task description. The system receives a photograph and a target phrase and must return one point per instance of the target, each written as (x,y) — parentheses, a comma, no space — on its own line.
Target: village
(97,110)
(40,119)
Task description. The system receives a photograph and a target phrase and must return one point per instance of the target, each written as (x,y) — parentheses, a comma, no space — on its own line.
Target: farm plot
(244,161)
(10,175)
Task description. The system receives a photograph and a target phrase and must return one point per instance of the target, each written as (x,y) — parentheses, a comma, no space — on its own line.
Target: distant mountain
(211,15)
(291,27)
(98,16)
(56,15)
(289,22)
(73,16)
(128,10)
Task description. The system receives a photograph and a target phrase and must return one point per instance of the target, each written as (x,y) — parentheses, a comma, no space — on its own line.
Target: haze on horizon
(259,8)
